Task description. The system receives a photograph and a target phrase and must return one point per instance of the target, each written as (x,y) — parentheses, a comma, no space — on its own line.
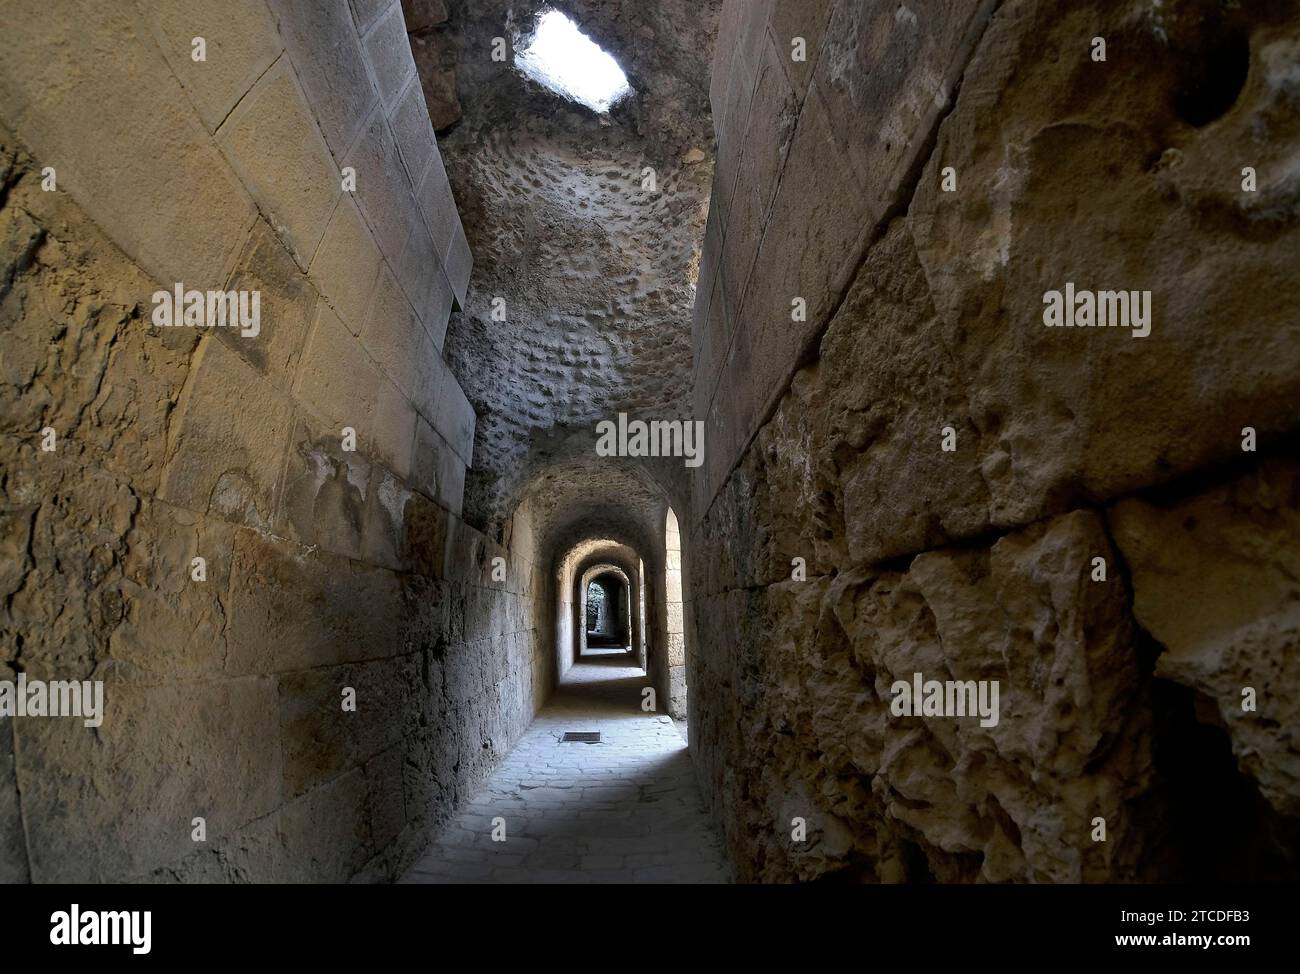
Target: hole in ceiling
(581,737)
(570,63)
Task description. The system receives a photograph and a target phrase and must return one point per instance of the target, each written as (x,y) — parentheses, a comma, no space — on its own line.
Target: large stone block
(147,172)
(293,607)
(321,740)
(393,430)
(231,433)
(73,304)
(346,264)
(414,134)
(337,377)
(437,470)
(163,755)
(325,834)
(272,141)
(394,337)
(805,20)
(455,419)
(458,263)
(287,303)
(438,206)
(382,187)
(240,42)
(420,270)
(1076,415)
(175,625)
(389,53)
(325,48)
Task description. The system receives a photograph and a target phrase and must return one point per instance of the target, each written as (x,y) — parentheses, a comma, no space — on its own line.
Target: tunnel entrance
(608,612)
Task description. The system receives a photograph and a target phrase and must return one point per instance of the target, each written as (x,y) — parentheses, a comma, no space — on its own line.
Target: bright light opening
(567,61)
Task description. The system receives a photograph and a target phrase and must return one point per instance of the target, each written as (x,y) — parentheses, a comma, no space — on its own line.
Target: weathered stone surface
(228,441)
(1121,699)
(287,303)
(323,43)
(272,141)
(347,264)
(173,444)
(177,208)
(121,782)
(1216,580)
(389,54)
(240,42)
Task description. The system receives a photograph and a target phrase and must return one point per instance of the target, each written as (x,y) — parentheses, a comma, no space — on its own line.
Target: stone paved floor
(627,810)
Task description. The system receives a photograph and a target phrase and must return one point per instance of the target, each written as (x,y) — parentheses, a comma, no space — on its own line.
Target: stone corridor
(626,810)
(917,381)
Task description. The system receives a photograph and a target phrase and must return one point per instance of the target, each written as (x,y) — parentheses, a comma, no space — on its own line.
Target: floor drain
(581,737)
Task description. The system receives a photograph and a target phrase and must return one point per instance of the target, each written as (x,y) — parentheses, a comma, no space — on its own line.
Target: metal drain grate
(580,737)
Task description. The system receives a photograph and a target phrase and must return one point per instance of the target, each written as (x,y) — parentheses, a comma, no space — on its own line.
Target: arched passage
(604,602)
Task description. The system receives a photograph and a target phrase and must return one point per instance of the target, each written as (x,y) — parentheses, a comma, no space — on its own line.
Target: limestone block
(325,48)
(384,540)
(438,206)
(438,311)
(382,187)
(385,795)
(815,229)
(419,268)
(175,624)
(806,19)
(393,335)
(431,374)
(424,536)
(437,469)
(240,42)
(389,54)
(287,303)
(243,855)
(293,608)
(175,751)
(456,419)
(322,741)
(147,172)
(767,137)
(1216,580)
(1044,399)
(729,25)
(414,134)
(337,378)
(324,834)
(231,431)
(368,12)
(458,262)
(326,489)
(346,264)
(393,431)
(740,93)
(272,141)
(73,303)
(886,78)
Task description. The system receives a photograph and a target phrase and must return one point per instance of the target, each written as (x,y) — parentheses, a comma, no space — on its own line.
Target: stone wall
(918,185)
(325,568)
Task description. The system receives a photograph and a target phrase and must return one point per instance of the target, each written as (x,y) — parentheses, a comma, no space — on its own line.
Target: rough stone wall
(1121,699)
(325,568)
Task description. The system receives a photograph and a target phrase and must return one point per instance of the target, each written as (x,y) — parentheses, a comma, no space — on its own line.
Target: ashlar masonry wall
(240,534)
